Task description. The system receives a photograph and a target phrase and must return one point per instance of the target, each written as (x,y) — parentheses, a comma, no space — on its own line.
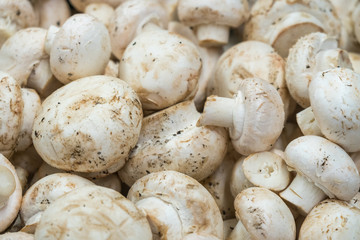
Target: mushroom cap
(250,59)
(16,236)
(170,140)
(81,48)
(88,125)
(9,212)
(264,214)
(268,16)
(11,106)
(238,181)
(92,212)
(263,119)
(335,97)
(230,12)
(129,20)
(331,219)
(22,52)
(325,164)
(162,67)
(194,205)
(52,12)
(45,191)
(80,5)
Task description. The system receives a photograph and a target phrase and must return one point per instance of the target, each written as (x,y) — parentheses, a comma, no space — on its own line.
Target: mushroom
(51,12)
(80,5)
(176,206)
(92,212)
(88,125)
(10,193)
(80,48)
(311,54)
(238,180)
(281,23)
(129,20)
(170,140)
(44,192)
(16,236)
(237,230)
(355,16)
(264,214)
(267,170)
(250,59)
(323,169)
(355,61)
(101,11)
(336,115)
(15,15)
(213,19)
(331,219)
(255,116)
(162,67)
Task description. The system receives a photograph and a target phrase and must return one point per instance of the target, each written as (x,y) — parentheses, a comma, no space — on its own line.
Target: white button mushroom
(311,54)
(176,205)
(322,168)
(162,67)
(170,140)
(331,219)
(80,48)
(80,5)
(281,23)
(16,236)
(93,213)
(101,11)
(213,19)
(88,125)
(238,180)
(51,12)
(264,215)
(10,193)
(255,116)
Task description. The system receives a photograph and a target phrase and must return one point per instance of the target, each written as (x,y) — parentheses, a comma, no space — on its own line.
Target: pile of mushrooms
(179,119)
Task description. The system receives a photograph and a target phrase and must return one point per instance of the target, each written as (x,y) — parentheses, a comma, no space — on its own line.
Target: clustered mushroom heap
(179,119)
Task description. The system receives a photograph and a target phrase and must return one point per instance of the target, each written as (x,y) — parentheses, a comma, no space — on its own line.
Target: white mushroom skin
(94,213)
(162,67)
(102,11)
(187,203)
(80,5)
(264,214)
(52,12)
(16,236)
(238,180)
(88,125)
(331,219)
(80,48)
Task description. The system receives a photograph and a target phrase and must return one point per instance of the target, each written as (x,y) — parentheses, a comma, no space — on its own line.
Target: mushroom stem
(7,186)
(212,35)
(50,37)
(304,195)
(218,111)
(307,122)
(163,218)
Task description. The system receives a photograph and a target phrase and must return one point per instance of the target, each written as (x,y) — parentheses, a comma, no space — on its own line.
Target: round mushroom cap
(129,20)
(230,12)
(250,59)
(264,214)
(162,67)
(331,219)
(92,212)
(11,106)
(192,203)
(16,236)
(45,191)
(88,125)
(335,97)
(80,5)
(325,164)
(81,48)
(170,140)
(263,119)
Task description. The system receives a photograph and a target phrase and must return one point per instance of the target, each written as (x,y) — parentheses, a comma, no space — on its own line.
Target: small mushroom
(88,125)
(323,169)
(10,193)
(311,54)
(331,219)
(44,192)
(213,19)
(238,180)
(16,236)
(101,11)
(51,12)
(176,206)
(170,140)
(281,23)
(80,48)
(93,213)
(162,67)
(264,214)
(255,116)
